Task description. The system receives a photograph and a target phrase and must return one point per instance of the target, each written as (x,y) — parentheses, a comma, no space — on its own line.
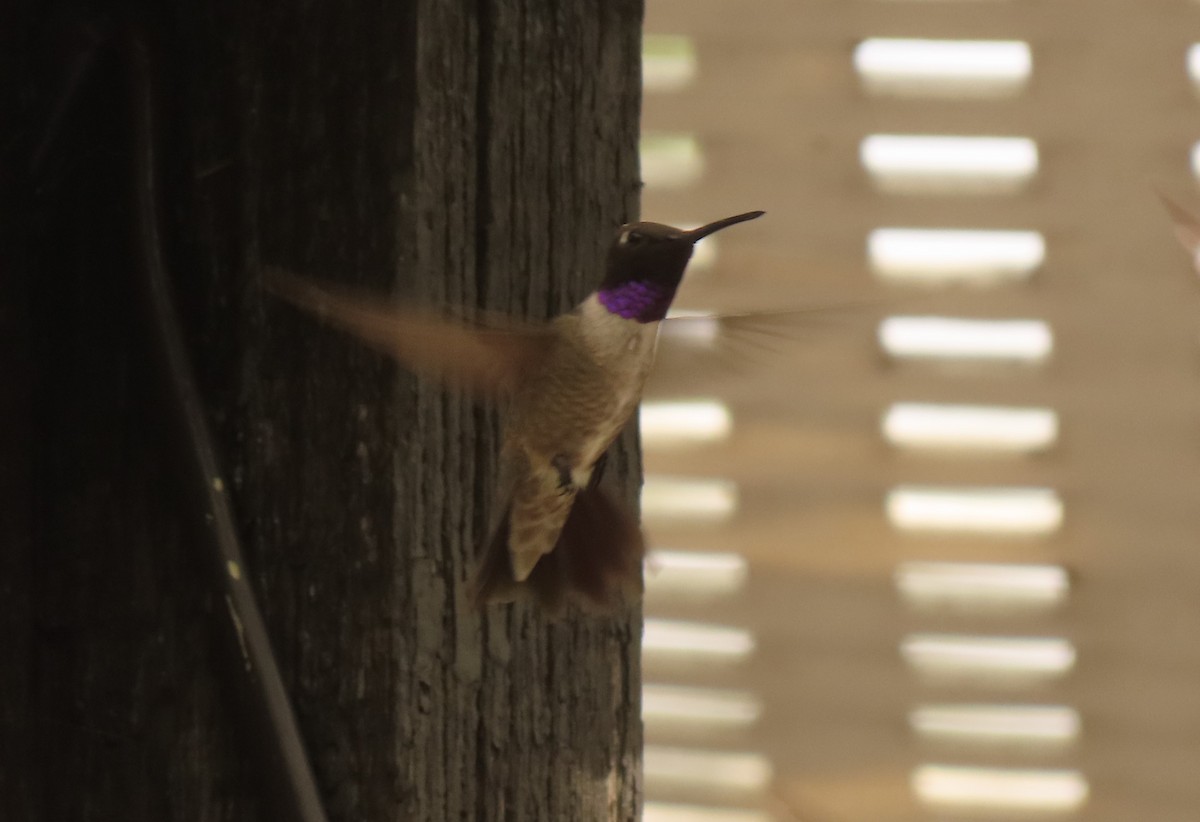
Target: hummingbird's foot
(598,470)
(562,464)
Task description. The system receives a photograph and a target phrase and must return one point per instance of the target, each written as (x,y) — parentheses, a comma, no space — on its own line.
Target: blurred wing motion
(488,360)
(781,324)
(738,339)
(1187,228)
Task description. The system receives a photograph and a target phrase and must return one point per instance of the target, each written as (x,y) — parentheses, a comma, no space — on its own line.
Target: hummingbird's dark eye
(633,237)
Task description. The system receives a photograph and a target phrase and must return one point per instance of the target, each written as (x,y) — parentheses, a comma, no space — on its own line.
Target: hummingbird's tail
(598,556)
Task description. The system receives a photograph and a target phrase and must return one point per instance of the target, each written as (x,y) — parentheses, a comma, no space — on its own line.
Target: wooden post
(462,155)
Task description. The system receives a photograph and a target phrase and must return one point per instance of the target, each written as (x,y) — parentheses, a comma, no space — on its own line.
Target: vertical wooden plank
(525,164)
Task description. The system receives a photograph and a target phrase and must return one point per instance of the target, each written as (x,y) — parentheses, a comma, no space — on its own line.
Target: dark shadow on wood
(462,160)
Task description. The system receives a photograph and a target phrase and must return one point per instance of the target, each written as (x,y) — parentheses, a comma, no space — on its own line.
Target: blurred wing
(490,361)
(787,322)
(1187,227)
(762,331)
(698,352)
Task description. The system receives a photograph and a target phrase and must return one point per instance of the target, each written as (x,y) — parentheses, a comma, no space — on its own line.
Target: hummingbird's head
(646,262)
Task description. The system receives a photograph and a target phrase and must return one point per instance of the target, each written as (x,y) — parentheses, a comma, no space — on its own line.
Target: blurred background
(932,553)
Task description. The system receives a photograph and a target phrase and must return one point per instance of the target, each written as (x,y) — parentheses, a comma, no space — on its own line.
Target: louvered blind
(941,563)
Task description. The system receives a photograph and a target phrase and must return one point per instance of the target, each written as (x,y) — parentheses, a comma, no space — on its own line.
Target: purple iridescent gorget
(645,302)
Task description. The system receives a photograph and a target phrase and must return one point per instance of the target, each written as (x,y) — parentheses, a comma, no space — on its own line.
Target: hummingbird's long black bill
(703,231)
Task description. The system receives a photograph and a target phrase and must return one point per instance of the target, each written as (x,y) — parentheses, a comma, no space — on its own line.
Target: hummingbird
(570,386)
